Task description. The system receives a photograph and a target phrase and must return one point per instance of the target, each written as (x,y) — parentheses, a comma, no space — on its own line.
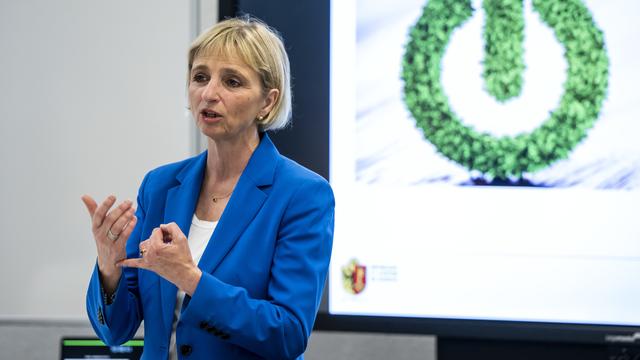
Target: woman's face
(226,97)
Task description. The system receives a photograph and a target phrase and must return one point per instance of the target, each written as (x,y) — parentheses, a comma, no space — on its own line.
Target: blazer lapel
(179,208)
(244,204)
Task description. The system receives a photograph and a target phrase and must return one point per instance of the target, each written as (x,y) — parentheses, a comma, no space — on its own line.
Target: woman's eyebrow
(199,67)
(232,71)
(227,69)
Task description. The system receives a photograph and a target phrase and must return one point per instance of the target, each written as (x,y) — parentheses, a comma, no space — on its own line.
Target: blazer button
(100,317)
(203,325)
(185,349)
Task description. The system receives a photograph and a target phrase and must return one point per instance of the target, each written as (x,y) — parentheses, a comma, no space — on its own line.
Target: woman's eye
(233,83)
(200,78)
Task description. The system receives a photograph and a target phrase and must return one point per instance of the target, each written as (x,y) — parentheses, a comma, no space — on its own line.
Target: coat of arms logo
(354,276)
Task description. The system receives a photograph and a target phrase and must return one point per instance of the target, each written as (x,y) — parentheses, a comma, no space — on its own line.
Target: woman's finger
(155,237)
(113,215)
(101,211)
(171,232)
(90,204)
(121,222)
(145,244)
(124,235)
(133,263)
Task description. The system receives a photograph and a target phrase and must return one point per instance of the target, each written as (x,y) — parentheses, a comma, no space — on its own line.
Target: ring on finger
(112,236)
(142,251)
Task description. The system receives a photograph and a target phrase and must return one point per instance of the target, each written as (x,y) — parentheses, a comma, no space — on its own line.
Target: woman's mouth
(210,115)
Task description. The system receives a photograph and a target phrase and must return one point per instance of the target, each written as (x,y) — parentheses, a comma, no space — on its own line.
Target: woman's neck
(226,159)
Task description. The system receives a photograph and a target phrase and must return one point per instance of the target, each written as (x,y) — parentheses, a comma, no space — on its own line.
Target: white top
(199,234)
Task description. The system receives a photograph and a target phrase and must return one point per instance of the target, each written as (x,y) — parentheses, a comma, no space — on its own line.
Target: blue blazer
(263,270)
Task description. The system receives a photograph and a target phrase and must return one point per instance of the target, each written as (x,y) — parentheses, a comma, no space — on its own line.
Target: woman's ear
(270,101)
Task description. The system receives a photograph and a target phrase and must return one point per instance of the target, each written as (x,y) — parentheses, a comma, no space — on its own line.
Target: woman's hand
(167,253)
(111,229)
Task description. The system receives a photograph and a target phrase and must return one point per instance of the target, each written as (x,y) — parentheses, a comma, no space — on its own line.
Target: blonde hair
(260,47)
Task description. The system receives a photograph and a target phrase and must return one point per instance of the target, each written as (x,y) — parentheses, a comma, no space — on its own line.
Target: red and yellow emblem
(354,276)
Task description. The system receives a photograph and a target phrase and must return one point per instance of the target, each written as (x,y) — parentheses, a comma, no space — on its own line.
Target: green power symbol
(506,157)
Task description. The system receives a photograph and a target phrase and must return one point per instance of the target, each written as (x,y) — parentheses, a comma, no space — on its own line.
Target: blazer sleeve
(277,327)
(118,322)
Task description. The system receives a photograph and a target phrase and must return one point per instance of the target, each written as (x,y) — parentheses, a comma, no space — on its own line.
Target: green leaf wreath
(506,157)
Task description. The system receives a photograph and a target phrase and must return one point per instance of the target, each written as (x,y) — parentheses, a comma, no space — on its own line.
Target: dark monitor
(93,348)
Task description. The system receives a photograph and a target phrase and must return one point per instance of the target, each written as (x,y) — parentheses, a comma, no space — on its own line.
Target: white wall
(92,96)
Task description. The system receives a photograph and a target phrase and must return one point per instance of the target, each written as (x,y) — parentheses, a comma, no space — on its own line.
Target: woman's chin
(210,130)
(213,135)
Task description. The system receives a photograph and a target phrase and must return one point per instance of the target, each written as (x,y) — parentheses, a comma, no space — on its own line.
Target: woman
(251,288)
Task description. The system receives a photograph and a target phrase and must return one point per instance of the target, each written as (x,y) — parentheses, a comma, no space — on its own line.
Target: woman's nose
(210,92)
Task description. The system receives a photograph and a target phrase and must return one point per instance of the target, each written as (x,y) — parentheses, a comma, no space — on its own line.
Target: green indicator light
(134,343)
(83,343)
